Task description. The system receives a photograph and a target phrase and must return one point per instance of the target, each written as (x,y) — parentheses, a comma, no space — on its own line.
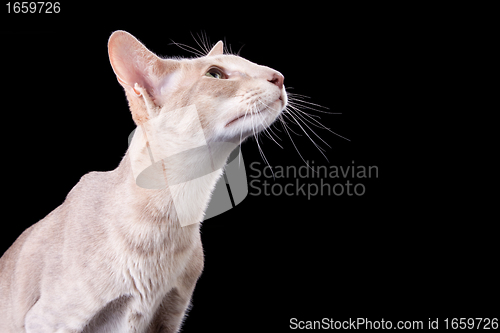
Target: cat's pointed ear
(218,49)
(132,62)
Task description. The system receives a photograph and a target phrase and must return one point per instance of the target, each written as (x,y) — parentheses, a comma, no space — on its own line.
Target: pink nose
(277,79)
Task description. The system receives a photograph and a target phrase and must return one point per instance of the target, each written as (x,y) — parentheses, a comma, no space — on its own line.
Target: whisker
(292,120)
(267,127)
(227,47)
(297,107)
(315,144)
(238,53)
(285,128)
(294,95)
(294,103)
(188,48)
(201,43)
(241,132)
(268,131)
(298,103)
(311,121)
(318,124)
(198,43)
(260,148)
(299,100)
(300,117)
(206,41)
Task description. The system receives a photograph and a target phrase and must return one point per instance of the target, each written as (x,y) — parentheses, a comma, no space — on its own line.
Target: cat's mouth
(280,103)
(244,116)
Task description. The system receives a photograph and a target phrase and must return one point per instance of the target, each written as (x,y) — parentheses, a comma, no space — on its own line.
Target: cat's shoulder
(92,184)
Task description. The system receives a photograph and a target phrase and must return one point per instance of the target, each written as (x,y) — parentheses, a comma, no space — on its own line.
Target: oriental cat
(123,255)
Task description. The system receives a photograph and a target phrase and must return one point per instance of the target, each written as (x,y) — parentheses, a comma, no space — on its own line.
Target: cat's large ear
(131,61)
(218,49)
(134,64)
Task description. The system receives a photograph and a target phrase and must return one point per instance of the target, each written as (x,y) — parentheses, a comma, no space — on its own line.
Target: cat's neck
(174,171)
(176,206)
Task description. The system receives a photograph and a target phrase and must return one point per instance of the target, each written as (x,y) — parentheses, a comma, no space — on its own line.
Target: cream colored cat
(118,256)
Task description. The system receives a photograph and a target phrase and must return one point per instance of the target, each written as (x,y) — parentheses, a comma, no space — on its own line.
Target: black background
(406,249)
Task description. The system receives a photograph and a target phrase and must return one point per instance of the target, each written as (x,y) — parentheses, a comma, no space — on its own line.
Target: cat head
(234,97)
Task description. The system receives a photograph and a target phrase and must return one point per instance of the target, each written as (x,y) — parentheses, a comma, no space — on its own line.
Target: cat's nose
(277,79)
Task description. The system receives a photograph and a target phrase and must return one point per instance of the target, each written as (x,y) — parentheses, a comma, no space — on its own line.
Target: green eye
(215,73)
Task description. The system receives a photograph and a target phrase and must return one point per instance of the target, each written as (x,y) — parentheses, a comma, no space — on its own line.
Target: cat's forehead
(228,62)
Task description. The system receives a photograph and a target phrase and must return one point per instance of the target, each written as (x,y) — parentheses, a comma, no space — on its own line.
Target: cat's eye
(215,73)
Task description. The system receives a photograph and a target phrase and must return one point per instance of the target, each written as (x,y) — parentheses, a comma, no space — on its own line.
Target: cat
(123,252)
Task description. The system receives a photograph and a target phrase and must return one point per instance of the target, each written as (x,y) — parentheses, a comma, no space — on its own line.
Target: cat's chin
(244,117)
(258,119)
(244,127)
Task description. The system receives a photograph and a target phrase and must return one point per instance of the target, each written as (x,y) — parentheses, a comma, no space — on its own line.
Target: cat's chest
(154,267)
